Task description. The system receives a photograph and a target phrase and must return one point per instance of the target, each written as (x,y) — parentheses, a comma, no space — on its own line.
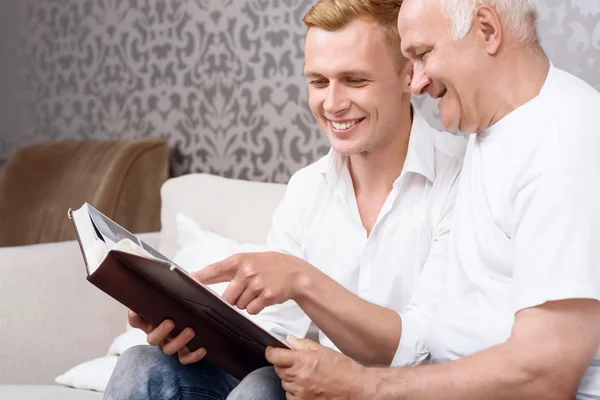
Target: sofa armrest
(51,318)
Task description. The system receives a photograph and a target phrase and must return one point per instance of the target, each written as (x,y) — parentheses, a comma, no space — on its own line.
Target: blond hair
(333,15)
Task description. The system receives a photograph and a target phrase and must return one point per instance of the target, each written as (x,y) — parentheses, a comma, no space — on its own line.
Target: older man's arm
(546,356)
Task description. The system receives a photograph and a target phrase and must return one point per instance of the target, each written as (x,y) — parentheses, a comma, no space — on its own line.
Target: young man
(372,216)
(520,314)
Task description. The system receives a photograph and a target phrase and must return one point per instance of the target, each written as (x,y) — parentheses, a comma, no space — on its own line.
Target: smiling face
(354,87)
(452,70)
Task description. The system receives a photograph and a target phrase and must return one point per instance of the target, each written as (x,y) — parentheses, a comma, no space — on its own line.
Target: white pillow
(91,375)
(197,248)
(200,247)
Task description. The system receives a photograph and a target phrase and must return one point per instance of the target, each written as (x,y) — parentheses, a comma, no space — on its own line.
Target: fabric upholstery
(51,318)
(41,392)
(41,182)
(237,209)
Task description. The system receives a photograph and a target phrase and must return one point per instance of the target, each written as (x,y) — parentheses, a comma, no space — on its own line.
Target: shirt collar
(421,148)
(334,169)
(419,158)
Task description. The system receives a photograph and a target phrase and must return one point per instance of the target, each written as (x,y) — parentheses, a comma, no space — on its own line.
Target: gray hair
(519,15)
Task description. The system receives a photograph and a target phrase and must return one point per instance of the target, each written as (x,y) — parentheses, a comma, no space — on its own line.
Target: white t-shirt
(526,226)
(318,221)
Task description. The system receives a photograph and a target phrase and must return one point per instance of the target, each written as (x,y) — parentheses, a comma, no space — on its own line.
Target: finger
(179,342)
(246,297)
(257,305)
(223,271)
(234,291)
(138,322)
(282,358)
(301,344)
(290,390)
(190,357)
(160,333)
(283,373)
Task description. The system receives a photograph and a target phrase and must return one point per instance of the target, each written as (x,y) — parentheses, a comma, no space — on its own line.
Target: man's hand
(311,371)
(258,280)
(158,336)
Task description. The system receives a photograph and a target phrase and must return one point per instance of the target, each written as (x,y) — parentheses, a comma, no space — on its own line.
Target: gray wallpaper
(221,80)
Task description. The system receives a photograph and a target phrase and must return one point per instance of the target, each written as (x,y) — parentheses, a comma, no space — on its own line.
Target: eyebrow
(409,49)
(412,49)
(312,74)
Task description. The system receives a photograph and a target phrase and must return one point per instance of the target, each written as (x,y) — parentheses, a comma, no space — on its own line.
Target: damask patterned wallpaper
(221,80)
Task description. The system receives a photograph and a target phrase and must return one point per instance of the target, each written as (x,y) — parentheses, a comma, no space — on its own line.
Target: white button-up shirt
(318,220)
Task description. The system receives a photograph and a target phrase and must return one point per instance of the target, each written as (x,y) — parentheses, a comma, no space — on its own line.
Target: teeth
(343,125)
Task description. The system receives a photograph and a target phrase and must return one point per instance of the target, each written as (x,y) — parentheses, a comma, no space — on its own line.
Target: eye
(356,81)
(318,83)
(422,56)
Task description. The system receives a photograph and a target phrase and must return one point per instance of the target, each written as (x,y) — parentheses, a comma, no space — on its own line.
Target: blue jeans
(145,372)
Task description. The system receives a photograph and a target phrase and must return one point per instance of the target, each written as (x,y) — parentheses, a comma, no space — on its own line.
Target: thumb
(301,344)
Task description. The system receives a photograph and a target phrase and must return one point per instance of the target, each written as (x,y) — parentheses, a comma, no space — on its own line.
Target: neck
(523,72)
(376,170)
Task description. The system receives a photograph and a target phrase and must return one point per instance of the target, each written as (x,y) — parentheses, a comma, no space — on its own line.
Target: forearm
(362,330)
(495,373)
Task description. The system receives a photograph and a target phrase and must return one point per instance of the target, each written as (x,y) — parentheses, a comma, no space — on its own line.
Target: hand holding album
(157,289)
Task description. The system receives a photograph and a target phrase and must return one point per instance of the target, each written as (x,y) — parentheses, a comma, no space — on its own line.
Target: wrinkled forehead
(420,22)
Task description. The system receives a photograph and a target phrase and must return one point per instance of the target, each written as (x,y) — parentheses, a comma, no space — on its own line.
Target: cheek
(316,104)
(445,67)
(381,101)
(313,98)
(454,103)
(431,67)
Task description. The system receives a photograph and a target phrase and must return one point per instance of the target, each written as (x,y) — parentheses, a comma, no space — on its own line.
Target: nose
(335,99)
(420,81)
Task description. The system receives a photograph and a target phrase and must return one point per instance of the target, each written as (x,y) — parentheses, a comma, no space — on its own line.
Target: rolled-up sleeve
(416,317)
(412,349)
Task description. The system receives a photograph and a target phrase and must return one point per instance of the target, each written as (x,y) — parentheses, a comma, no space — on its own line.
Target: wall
(221,80)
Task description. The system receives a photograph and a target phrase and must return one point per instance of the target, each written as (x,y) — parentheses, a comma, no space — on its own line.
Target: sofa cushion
(240,210)
(62,319)
(46,392)
(121,178)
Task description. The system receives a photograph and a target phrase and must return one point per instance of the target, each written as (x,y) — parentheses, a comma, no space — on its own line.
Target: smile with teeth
(342,126)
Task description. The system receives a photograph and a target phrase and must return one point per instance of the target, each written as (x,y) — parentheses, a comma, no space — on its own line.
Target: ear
(488,27)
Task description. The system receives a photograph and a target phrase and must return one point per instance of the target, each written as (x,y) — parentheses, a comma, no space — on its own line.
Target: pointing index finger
(222,271)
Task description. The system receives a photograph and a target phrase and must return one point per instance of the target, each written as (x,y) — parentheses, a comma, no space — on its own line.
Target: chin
(450,120)
(451,126)
(345,149)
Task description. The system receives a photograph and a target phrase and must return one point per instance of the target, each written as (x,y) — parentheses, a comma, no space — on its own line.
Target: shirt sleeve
(416,317)
(285,237)
(557,237)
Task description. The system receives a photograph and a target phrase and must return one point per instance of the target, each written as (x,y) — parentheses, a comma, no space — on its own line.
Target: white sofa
(51,318)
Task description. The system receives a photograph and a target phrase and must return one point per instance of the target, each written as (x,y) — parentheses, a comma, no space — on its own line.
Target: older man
(520,314)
